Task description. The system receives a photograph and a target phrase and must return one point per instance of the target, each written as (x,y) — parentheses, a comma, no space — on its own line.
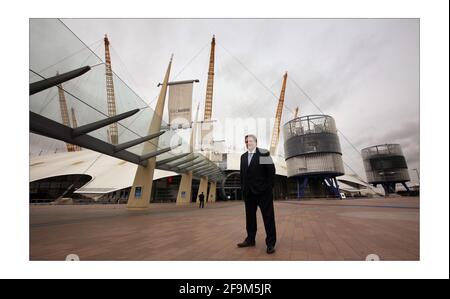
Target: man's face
(250,143)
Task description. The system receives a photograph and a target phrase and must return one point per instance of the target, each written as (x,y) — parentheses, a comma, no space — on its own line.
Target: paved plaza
(306,230)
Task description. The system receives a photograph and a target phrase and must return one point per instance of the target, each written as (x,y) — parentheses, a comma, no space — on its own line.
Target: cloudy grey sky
(363,72)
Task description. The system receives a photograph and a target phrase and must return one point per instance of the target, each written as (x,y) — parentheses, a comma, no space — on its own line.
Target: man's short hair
(252,136)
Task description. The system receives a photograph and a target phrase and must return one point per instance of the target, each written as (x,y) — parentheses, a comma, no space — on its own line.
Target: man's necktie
(250,155)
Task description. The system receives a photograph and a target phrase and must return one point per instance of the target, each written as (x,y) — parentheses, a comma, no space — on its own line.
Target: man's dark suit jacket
(259,176)
(201,197)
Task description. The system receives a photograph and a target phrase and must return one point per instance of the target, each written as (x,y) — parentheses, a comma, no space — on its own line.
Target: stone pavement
(306,230)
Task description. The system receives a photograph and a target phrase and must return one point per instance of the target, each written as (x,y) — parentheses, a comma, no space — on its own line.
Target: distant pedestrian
(201,198)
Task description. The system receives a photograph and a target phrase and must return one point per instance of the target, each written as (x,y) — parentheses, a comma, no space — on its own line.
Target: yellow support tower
(206,133)
(278,114)
(111,99)
(185,189)
(143,181)
(203,187)
(65,115)
(212,192)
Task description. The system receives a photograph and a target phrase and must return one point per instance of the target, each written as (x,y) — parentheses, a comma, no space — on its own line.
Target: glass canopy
(55,49)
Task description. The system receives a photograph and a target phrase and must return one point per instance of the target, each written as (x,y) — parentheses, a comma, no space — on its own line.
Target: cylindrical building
(385,164)
(312,150)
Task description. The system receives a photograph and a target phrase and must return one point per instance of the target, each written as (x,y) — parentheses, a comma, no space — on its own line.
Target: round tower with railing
(313,151)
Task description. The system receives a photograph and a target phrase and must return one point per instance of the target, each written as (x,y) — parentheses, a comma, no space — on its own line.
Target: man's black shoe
(246,243)
(270,249)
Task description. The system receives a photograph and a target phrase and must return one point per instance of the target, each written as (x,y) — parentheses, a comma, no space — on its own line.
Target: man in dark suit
(257,180)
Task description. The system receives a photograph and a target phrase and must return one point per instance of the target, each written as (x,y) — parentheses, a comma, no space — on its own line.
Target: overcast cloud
(363,72)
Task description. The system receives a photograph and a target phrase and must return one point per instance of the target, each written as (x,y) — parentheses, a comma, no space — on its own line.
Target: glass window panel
(55,49)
